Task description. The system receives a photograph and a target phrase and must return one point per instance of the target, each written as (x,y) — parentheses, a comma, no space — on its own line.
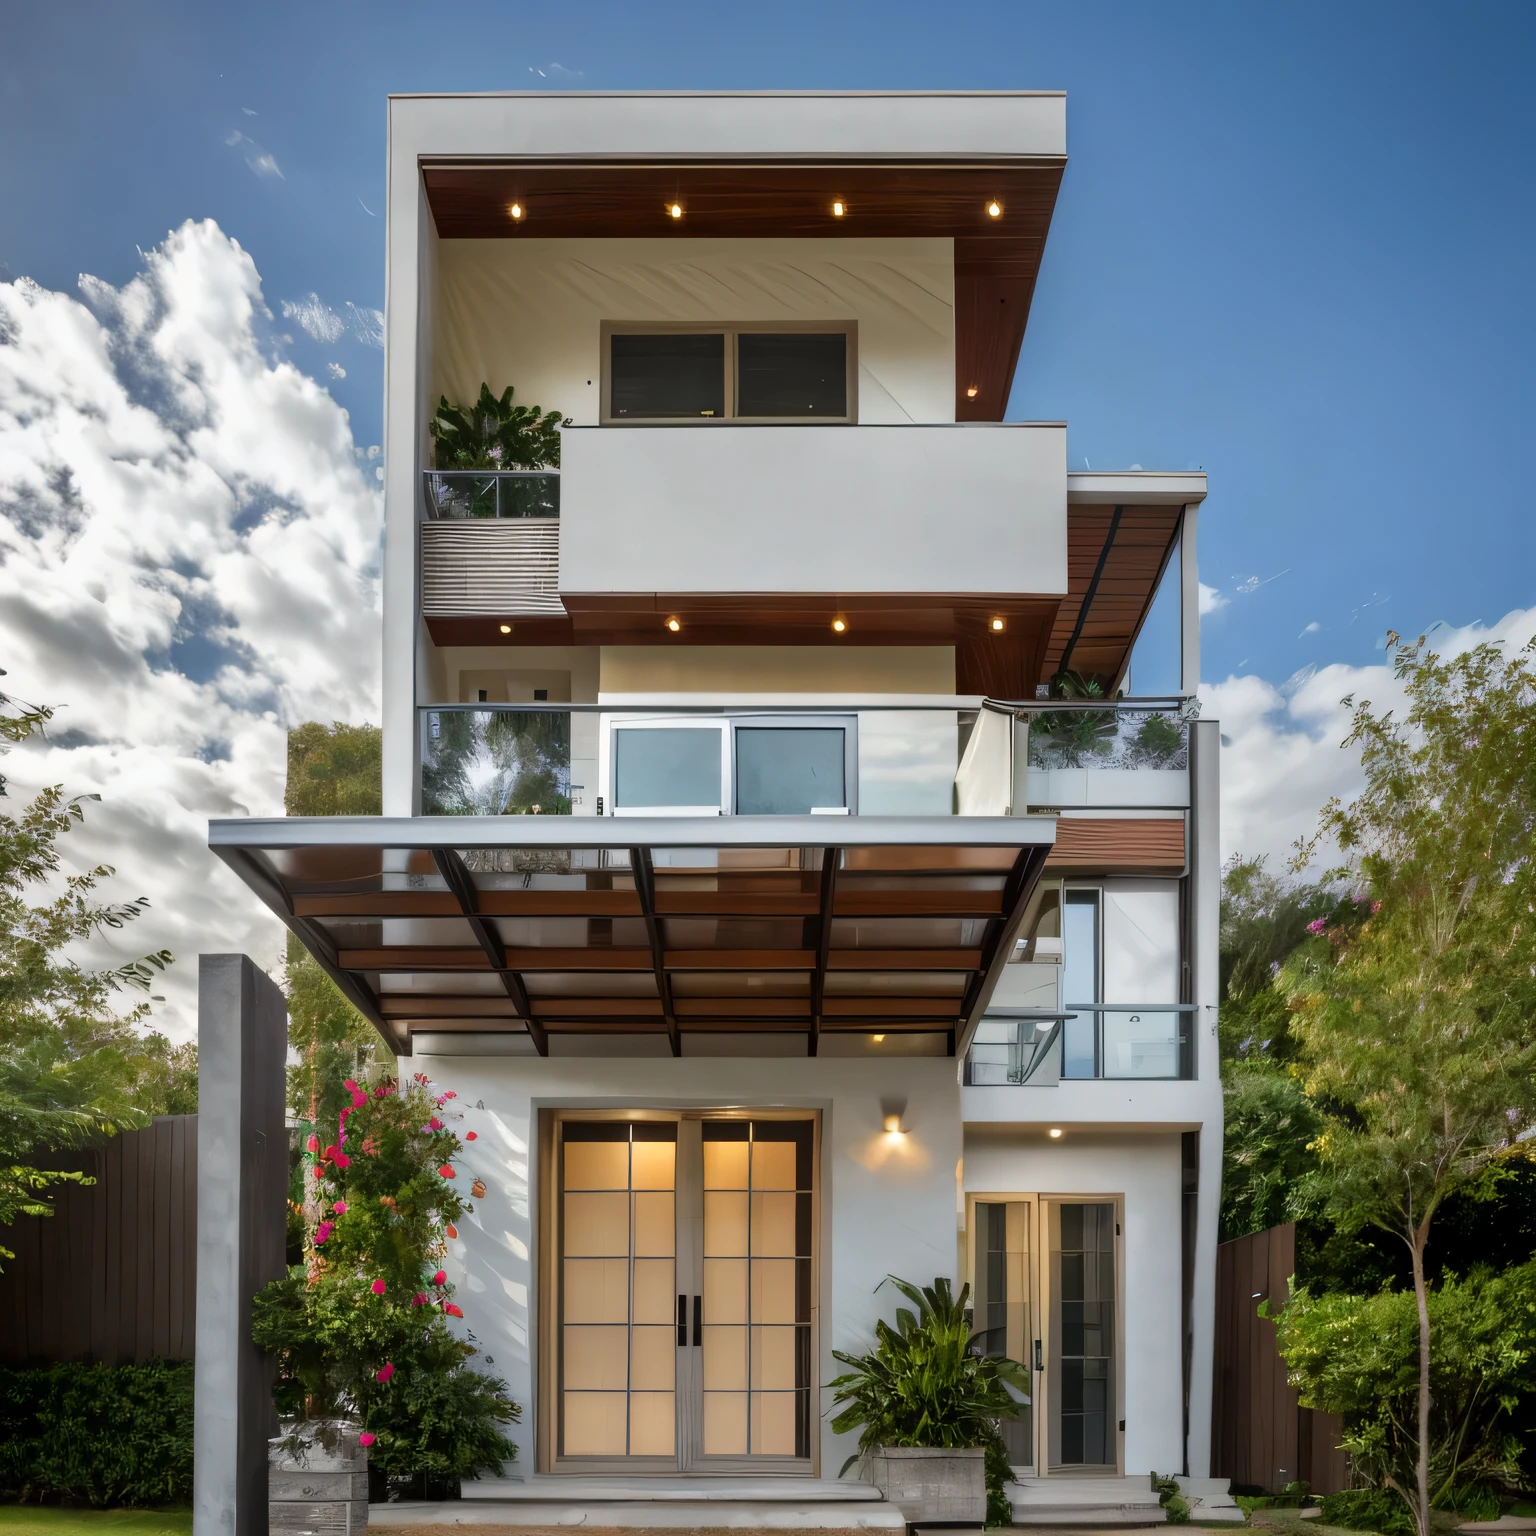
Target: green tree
(1414,1027)
(335,770)
(71,1063)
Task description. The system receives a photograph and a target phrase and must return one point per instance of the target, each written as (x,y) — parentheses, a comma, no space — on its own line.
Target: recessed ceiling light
(839,625)
(675,210)
(674,624)
(971,392)
(998,625)
(994,209)
(516,210)
(506,629)
(1055,1133)
(839,208)
(877,1038)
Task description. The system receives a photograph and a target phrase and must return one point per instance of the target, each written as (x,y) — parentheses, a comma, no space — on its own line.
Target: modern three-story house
(800,850)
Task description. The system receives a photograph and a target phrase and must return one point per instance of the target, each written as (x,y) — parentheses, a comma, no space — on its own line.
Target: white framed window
(770,373)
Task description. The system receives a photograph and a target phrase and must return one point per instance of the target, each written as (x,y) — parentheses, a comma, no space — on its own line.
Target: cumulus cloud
(189,561)
(1211,599)
(1283,755)
(335,370)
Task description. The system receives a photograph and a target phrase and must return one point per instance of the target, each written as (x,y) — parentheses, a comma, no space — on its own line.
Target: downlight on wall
(893,1117)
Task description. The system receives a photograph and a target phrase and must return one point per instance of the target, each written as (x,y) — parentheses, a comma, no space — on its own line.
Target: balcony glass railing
(897,760)
(465,493)
(1124,1041)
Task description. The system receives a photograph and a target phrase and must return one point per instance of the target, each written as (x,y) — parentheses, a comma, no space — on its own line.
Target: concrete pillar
(242,1174)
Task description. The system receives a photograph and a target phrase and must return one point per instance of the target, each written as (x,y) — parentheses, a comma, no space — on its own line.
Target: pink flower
(440,1278)
(420,1299)
(366,1438)
(319,1173)
(349,1085)
(385,1371)
(471,1136)
(447,1172)
(1317,925)
(340,1208)
(379,1288)
(452,1310)
(434,1124)
(322,1232)
(330,1152)
(451,1230)
(359,1099)
(342,1160)
(342,1118)
(450,1094)
(313,1144)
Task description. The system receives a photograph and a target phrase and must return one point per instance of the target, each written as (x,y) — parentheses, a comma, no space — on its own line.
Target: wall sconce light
(516,213)
(506,629)
(994,209)
(674,624)
(1054,1133)
(893,1114)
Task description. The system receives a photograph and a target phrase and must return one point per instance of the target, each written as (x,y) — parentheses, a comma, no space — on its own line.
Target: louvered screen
(504,566)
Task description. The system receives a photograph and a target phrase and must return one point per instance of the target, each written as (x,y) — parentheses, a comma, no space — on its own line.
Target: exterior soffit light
(839,625)
(998,625)
(516,213)
(674,210)
(839,208)
(506,629)
(971,391)
(994,209)
(674,624)
(1055,1133)
(877,1038)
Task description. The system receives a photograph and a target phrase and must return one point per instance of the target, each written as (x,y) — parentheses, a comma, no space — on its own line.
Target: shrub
(99,1434)
(1367,1509)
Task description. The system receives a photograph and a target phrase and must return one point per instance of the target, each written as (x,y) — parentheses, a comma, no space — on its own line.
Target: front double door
(684,1292)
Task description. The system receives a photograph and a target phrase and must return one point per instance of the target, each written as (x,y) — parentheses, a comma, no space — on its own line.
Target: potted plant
(927,1402)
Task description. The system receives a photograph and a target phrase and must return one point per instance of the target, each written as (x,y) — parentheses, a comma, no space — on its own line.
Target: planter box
(317,1481)
(932,1487)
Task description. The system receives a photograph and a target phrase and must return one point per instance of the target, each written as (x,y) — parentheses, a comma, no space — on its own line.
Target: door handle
(1039,1363)
(698,1319)
(682,1321)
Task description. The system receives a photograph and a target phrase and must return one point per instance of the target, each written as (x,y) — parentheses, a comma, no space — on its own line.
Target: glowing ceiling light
(994,209)
(674,210)
(998,625)
(506,629)
(877,1038)
(839,625)
(674,625)
(971,392)
(839,209)
(516,211)
(1055,1133)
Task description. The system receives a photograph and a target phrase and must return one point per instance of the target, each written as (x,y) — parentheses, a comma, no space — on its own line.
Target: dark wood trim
(452,868)
(825,906)
(1093,587)
(645,886)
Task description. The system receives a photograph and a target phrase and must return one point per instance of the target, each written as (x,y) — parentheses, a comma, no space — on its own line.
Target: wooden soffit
(997,260)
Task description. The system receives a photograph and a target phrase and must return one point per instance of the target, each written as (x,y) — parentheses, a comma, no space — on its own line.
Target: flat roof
(533,926)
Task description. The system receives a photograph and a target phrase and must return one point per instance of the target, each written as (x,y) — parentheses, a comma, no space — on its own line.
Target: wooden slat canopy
(540,927)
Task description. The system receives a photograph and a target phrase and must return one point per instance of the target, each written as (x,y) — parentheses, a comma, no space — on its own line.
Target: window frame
(731,330)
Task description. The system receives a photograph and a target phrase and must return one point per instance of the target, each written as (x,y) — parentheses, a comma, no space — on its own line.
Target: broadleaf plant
(928,1383)
(493,433)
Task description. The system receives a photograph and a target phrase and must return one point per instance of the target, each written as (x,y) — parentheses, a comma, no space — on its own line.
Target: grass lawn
(35,1520)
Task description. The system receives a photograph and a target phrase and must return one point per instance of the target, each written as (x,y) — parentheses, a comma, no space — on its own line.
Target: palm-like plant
(495,434)
(1075,737)
(928,1383)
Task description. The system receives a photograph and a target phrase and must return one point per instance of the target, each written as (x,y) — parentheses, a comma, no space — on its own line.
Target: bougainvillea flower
(340,1208)
(319,1173)
(477,1189)
(451,1230)
(379,1287)
(452,1310)
(349,1084)
(471,1136)
(420,1299)
(313,1144)
(359,1099)
(434,1124)
(366,1438)
(440,1278)
(330,1152)
(384,1372)
(322,1232)
(447,1172)
(450,1094)
(342,1160)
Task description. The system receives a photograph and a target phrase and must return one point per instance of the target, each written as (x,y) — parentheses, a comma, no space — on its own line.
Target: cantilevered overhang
(666,926)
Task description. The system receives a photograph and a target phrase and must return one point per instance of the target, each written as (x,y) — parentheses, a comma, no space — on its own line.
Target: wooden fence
(111,1276)
(1261,1437)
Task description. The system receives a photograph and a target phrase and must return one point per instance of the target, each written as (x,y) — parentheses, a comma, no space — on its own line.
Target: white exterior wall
(528,312)
(1144,1169)
(887,1204)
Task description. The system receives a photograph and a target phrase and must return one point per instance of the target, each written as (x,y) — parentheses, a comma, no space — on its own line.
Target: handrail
(454,495)
(1152,705)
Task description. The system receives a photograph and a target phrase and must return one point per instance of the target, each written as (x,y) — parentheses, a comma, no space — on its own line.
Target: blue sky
(1293,244)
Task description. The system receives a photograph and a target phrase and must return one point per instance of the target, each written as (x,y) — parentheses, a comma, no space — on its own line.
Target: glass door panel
(617,1332)
(1082,1335)
(1004,1303)
(757,1198)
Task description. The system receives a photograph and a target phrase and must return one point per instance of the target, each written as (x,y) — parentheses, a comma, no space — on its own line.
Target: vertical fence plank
(112,1275)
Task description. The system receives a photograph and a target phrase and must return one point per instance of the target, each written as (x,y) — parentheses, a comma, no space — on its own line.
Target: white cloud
(325,324)
(335,370)
(261,161)
(188,563)
(1311,629)
(1211,600)
(1282,752)
(366,325)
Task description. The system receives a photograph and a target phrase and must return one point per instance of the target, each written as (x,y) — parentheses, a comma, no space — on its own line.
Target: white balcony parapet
(902,509)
